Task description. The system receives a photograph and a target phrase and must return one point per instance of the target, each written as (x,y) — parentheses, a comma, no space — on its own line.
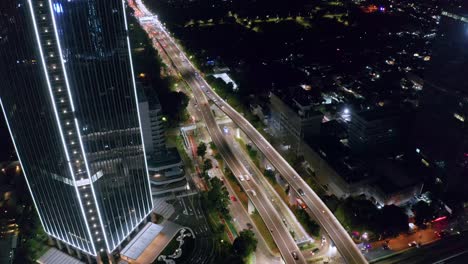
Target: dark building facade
(442,133)
(376,131)
(68,94)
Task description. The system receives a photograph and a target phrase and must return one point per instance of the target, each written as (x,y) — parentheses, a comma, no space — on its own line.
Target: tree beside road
(245,244)
(201,149)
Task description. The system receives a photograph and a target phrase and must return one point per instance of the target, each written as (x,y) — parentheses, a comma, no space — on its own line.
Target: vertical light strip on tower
(91,183)
(137,106)
(140,132)
(59,125)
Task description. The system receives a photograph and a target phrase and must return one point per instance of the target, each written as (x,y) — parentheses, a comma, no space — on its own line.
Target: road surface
(317,208)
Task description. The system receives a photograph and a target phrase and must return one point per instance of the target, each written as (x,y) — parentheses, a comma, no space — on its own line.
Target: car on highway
(241,178)
(294,255)
(249,225)
(247,177)
(301,192)
(233,198)
(414,244)
(253,192)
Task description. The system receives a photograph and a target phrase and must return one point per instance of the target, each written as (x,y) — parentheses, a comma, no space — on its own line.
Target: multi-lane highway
(290,252)
(316,207)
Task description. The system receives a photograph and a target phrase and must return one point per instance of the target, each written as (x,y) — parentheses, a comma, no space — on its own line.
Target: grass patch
(262,228)
(216,225)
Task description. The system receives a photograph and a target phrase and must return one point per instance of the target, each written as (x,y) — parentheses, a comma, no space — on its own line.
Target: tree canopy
(245,244)
(201,149)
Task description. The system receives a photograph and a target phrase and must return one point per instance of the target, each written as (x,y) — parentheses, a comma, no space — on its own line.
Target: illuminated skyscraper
(68,93)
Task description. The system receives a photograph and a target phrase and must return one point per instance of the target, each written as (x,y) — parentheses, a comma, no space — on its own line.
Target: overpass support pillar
(250,207)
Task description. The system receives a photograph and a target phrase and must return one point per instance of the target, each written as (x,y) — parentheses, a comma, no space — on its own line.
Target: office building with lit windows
(68,94)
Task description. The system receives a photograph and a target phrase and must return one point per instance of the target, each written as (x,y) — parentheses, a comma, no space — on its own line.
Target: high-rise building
(152,123)
(68,94)
(442,132)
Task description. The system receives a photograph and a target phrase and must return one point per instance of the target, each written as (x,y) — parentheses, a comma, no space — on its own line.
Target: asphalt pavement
(280,234)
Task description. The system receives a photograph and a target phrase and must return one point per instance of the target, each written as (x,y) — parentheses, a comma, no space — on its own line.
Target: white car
(253,192)
(241,178)
(247,177)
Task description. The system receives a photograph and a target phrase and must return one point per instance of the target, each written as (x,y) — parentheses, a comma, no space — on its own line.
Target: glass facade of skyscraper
(68,93)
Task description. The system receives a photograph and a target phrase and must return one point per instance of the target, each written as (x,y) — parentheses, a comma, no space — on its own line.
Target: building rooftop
(55,256)
(141,241)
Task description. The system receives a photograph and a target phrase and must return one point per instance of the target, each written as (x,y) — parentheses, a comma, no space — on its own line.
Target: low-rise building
(293,118)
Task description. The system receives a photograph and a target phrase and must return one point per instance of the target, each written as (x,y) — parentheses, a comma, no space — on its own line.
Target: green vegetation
(245,244)
(310,225)
(217,198)
(213,146)
(207,165)
(201,149)
(270,175)
(251,151)
(263,229)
